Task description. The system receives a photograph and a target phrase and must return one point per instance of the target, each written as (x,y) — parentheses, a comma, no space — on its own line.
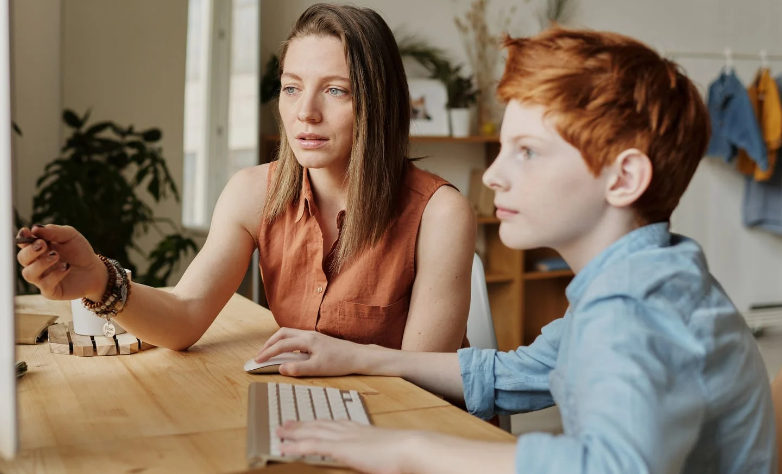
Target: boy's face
(544,192)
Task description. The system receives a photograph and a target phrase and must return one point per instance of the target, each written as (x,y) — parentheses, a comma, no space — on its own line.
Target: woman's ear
(629,177)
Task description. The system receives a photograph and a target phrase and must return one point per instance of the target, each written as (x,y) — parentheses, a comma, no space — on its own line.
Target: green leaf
(152,135)
(97,128)
(71,119)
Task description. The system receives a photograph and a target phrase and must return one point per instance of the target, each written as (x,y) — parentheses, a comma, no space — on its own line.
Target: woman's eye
(290,90)
(336,92)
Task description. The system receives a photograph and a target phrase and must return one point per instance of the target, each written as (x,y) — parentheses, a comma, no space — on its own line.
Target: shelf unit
(522,300)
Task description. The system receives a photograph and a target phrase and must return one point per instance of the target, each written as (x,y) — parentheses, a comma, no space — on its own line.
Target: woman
(354,240)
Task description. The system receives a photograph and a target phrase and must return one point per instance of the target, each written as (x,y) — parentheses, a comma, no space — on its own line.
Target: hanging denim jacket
(733,122)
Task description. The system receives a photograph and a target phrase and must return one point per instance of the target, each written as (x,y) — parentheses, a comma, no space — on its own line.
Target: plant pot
(460,122)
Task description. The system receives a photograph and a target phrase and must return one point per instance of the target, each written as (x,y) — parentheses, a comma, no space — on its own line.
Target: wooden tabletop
(167,411)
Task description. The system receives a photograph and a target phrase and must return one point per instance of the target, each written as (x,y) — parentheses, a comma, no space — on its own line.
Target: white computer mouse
(272,366)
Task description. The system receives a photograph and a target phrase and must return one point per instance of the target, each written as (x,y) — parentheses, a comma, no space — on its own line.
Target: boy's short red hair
(608,93)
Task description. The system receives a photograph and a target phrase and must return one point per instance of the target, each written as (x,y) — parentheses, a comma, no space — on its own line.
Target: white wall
(748,263)
(37,95)
(126,61)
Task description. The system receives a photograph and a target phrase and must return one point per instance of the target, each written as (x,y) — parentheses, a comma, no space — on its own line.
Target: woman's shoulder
(245,195)
(423,182)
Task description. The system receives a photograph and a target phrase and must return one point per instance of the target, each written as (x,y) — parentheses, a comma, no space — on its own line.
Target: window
(221,101)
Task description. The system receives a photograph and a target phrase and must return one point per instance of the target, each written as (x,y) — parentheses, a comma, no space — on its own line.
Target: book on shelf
(552,264)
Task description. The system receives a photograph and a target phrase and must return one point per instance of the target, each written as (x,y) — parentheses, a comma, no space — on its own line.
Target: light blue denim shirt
(652,367)
(733,121)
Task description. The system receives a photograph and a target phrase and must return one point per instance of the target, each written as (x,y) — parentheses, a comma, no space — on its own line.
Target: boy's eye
(527,153)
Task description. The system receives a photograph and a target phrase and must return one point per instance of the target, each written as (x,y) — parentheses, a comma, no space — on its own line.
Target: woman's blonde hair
(381,107)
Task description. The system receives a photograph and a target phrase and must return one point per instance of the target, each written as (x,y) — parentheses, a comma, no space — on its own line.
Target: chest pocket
(381,325)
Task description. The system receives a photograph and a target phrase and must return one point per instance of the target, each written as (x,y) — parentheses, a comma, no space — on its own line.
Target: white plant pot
(86,323)
(460,122)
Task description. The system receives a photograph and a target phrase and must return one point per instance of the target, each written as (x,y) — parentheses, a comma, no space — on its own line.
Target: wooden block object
(105,345)
(128,344)
(63,340)
(59,339)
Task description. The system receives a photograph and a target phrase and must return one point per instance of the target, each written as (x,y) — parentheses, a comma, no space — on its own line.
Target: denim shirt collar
(725,86)
(650,236)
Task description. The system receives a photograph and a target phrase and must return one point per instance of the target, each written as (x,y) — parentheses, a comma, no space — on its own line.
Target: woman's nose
(309,110)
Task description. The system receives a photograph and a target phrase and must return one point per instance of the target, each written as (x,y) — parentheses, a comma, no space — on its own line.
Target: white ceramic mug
(86,323)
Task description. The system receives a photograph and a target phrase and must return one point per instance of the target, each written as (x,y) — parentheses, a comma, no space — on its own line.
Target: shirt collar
(307,201)
(650,236)
(305,196)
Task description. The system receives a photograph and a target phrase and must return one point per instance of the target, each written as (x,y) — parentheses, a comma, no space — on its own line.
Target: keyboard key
(320,404)
(304,404)
(356,409)
(287,403)
(338,410)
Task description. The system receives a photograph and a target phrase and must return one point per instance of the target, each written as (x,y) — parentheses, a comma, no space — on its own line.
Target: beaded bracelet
(114,298)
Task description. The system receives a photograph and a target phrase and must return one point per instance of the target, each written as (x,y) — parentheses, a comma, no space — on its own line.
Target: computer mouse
(272,366)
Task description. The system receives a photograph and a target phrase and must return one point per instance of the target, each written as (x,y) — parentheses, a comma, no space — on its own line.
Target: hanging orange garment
(764,96)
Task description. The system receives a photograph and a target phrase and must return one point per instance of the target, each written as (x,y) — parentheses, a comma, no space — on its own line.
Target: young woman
(354,240)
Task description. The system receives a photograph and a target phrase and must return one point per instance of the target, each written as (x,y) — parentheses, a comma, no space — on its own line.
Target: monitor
(8,420)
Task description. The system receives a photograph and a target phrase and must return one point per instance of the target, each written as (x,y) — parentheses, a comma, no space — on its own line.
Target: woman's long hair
(381,126)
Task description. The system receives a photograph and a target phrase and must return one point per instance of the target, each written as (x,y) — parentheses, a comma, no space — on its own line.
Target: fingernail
(38,225)
(51,256)
(65,266)
(37,245)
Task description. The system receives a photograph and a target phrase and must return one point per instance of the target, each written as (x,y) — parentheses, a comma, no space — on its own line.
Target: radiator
(763,318)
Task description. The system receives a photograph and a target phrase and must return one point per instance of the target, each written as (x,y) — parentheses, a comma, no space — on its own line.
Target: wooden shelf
(547,275)
(473,139)
(487,220)
(432,139)
(498,277)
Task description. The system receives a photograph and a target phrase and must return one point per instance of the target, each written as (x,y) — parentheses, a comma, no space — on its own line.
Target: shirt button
(320,289)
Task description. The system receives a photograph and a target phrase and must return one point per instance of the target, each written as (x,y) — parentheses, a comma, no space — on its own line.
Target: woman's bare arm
(440,300)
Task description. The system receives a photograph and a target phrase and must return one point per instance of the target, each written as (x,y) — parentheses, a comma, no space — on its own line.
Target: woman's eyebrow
(323,79)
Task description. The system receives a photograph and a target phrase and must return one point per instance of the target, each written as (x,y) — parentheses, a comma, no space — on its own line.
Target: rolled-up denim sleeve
(510,382)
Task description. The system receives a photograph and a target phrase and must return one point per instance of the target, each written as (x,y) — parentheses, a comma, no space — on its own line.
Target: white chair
(480,327)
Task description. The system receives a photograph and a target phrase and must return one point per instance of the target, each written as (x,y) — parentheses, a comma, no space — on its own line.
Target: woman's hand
(328,356)
(364,448)
(61,263)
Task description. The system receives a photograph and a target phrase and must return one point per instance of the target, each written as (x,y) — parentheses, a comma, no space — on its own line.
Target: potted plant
(461,96)
(461,91)
(96,185)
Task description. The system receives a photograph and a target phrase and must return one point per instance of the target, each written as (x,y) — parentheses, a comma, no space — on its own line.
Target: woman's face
(316,102)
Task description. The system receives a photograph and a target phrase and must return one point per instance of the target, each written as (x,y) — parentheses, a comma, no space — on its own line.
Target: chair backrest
(776,396)
(480,327)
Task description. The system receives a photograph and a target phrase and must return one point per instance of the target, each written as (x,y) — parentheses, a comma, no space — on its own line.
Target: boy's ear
(629,177)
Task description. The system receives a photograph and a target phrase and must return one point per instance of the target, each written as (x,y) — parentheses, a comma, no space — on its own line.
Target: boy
(652,367)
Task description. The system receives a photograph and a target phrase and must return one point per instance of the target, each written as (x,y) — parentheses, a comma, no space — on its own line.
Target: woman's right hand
(329,356)
(61,263)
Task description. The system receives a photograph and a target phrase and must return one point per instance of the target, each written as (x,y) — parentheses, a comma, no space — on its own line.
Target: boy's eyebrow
(517,138)
(323,79)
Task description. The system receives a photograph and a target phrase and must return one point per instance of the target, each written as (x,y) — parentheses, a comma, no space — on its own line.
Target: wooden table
(167,411)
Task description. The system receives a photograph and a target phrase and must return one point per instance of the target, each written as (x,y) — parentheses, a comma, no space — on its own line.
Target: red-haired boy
(652,367)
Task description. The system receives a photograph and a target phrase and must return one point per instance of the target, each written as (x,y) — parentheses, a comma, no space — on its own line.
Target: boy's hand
(364,448)
(328,356)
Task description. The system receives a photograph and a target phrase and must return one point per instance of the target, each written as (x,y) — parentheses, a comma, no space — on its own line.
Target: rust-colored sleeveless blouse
(368,300)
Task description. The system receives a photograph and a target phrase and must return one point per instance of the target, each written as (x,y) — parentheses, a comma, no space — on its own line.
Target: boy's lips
(505,213)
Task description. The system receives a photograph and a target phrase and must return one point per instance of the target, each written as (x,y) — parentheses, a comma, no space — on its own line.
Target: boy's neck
(614,225)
